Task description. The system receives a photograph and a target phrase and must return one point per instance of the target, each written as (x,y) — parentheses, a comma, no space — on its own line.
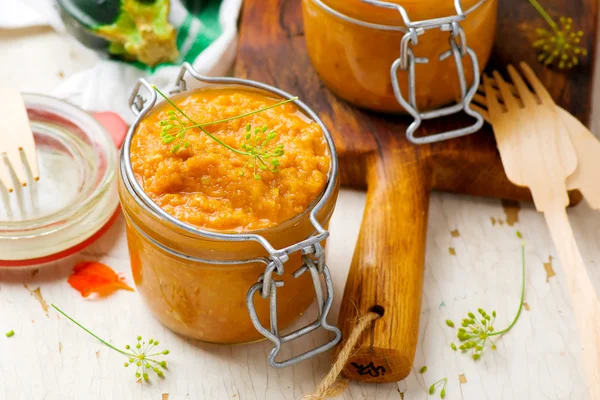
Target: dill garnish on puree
(247,173)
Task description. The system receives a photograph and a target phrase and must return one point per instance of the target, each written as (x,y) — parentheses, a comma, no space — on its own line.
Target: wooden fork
(15,136)
(537,153)
(587,147)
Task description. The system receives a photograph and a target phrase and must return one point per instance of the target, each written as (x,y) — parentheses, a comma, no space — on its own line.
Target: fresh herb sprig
(260,156)
(560,43)
(140,355)
(477,330)
(255,147)
(443,383)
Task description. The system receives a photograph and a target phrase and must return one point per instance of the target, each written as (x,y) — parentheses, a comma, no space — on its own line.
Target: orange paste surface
(202,184)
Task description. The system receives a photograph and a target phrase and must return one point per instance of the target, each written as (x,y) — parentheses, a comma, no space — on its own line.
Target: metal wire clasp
(406,62)
(313,258)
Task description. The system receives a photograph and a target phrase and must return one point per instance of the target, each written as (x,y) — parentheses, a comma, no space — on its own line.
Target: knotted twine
(331,385)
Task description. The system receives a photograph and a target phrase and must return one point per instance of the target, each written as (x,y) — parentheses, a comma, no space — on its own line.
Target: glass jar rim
(373,25)
(140,197)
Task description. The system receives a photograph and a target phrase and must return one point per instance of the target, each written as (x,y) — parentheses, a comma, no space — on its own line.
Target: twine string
(332,385)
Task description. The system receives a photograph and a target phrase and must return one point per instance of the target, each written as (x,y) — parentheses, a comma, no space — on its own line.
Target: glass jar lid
(76,195)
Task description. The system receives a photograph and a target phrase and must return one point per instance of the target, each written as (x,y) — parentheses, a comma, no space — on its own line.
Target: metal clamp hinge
(313,262)
(458,49)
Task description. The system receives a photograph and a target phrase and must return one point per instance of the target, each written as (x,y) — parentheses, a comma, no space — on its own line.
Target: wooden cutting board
(386,274)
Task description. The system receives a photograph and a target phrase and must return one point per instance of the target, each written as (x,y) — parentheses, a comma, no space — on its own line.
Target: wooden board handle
(386,275)
(583,295)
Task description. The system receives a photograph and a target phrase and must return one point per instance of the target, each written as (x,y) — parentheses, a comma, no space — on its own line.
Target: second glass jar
(354,58)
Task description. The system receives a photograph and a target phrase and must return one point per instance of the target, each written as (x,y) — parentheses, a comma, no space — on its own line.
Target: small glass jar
(208,285)
(362,49)
(75,199)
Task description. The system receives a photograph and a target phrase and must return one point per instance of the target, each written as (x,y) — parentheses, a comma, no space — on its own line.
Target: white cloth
(107,86)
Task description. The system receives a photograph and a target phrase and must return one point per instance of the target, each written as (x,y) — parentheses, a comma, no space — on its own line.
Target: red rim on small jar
(310,249)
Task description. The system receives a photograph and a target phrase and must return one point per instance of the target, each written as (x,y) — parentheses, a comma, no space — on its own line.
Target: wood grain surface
(387,268)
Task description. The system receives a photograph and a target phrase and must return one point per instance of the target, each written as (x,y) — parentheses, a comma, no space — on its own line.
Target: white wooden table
(50,358)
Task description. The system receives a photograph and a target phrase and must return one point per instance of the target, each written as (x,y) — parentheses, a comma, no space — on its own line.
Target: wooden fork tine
(17,135)
(510,101)
(25,142)
(521,88)
(492,101)
(480,99)
(482,111)
(481,89)
(538,87)
(5,178)
(31,159)
(14,159)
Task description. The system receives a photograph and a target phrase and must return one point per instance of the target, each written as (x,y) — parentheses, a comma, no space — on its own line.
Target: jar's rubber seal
(64,253)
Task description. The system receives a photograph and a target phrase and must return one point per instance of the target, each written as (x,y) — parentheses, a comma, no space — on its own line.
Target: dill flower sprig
(443,383)
(143,355)
(255,145)
(261,158)
(478,330)
(560,43)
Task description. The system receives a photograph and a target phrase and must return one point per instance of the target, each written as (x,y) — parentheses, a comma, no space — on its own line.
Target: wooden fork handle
(583,295)
(386,274)
(587,147)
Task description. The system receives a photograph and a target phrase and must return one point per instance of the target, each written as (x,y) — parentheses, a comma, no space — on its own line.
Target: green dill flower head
(560,45)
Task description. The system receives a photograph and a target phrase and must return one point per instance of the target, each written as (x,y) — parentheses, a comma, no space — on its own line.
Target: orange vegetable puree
(210,186)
